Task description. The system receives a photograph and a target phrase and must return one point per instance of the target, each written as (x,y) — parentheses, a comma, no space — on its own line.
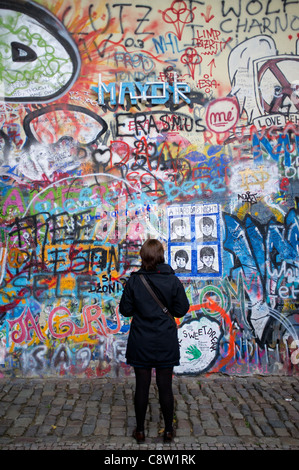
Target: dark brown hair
(152,253)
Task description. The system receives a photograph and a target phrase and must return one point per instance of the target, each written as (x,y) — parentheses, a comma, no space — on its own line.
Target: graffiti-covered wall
(175,120)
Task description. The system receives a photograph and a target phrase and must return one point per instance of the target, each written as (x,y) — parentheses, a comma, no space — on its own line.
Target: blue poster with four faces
(194,240)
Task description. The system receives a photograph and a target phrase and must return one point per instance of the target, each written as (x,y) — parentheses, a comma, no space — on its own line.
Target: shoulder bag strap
(165,309)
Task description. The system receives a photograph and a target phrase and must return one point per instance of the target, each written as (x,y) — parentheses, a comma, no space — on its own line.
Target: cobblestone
(217,412)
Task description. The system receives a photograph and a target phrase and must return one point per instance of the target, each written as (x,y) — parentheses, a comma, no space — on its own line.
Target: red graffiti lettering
(24,324)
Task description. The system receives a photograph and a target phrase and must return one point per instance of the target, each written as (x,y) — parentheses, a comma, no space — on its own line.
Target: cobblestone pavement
(217,412)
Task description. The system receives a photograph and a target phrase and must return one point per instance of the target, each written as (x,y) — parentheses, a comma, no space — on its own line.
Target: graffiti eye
(277,90)
(22,53)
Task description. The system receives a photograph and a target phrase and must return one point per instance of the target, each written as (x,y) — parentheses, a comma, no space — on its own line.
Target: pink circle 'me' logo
(222,114)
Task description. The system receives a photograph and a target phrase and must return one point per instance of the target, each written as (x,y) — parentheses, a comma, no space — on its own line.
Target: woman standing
(153,341)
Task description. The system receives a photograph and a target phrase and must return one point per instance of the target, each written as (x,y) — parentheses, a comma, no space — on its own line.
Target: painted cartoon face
(208,260)
(181,262)
(180,230)
(38,59)
(207,229)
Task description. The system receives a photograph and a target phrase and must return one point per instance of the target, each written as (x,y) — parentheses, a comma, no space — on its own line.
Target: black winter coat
(153,340)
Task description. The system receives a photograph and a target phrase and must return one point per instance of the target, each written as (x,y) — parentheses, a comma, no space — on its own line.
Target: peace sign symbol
(282,86)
